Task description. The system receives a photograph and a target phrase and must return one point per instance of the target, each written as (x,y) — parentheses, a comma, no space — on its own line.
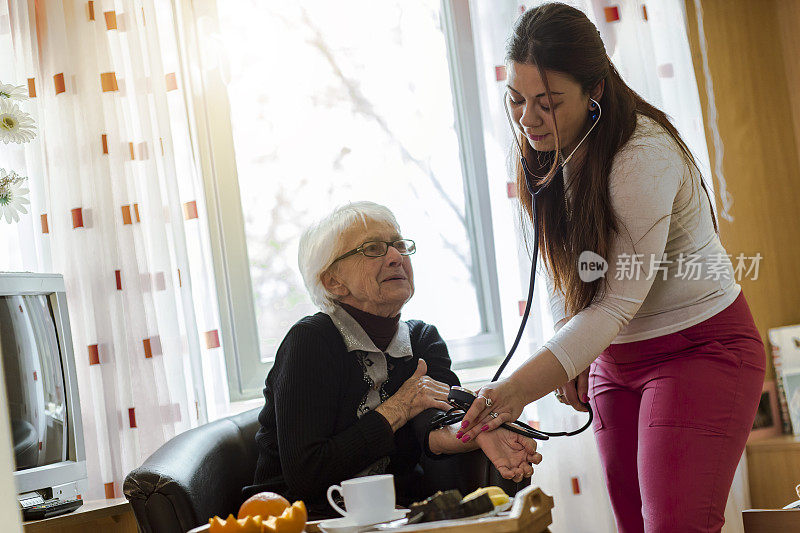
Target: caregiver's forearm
(444,441)
(538,376)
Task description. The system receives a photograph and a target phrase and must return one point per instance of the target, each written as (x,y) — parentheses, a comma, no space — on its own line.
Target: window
(322,112)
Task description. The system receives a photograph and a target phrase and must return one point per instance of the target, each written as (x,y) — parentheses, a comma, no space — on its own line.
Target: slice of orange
(293,520)
(249,524)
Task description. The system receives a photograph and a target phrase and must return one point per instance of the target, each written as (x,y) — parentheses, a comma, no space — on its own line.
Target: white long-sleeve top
(667,269)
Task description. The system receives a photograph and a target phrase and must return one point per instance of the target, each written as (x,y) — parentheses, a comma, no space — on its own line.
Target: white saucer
(348,525)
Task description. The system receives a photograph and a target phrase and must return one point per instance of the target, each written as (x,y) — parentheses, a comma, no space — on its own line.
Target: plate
(403,525)
(348,525)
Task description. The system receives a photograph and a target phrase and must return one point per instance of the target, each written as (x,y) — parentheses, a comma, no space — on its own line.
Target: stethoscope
(461,398)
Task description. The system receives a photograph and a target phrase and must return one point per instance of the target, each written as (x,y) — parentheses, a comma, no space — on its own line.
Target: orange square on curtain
(148,351)
(126,215)
(118,276)
(171,412)
(511,189)
(155,344)
(136,212)
(212,339)
(94,355)
(190,210)
(45,227)
(111,20)
(172,81)
(104,139)
(576,486)
(666,70)
(109,488)
(644,12)
(108,81)
(132,417)
(611,13)
(133,153)
(91,10)
(58,80)
(180,281)
(77,218)
(31,88)
(160,281)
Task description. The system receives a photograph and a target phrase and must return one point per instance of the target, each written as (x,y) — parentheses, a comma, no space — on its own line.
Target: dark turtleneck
(380,329)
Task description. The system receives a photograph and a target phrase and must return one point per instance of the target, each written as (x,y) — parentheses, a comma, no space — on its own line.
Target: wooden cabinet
(97,516)
(770,520)
(773,469)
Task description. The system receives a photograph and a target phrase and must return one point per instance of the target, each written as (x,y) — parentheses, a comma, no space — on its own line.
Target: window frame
(213,144)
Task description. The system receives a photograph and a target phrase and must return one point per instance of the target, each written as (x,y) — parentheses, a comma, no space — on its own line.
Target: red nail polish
(465,423)
(466,439)
(459,434)
(485,428)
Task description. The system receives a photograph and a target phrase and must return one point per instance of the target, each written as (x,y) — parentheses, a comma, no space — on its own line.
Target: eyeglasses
(380,248)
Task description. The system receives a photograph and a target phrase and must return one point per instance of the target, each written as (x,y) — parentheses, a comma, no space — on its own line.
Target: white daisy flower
(13,201)
(13,92)
(15,125)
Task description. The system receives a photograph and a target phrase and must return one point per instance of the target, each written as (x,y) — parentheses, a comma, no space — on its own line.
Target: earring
(593,114)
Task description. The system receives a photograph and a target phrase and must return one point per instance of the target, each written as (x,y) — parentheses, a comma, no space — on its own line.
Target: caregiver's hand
(419,392)
(496,403)
(511,454)
(576,391)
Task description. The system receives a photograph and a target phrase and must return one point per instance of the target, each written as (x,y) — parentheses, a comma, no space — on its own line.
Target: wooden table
(97,516)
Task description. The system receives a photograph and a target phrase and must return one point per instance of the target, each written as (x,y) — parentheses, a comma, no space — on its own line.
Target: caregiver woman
(677,363)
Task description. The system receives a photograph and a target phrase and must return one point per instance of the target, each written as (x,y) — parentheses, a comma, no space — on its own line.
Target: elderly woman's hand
(513,455)
(418,393)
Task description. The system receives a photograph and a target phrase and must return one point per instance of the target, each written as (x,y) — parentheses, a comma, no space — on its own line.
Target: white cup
(369,499)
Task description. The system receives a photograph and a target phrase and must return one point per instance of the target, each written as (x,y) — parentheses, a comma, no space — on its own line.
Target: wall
(788,13)
(752,56)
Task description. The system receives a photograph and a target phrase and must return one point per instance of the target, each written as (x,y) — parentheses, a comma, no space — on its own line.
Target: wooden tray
(531,513)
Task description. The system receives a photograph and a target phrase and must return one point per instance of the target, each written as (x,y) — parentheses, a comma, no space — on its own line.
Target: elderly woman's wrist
(393,414)
(443,441)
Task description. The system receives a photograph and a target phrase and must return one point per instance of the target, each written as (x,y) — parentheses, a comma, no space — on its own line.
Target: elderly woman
(353,387)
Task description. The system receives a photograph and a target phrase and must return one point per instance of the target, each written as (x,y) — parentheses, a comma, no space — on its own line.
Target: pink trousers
(672,415)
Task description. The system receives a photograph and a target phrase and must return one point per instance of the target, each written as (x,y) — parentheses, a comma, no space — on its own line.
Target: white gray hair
(321,243)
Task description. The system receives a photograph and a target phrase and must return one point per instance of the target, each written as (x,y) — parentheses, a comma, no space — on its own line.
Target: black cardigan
(310,436)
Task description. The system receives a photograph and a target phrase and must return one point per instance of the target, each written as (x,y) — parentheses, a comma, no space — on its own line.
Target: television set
(41,387)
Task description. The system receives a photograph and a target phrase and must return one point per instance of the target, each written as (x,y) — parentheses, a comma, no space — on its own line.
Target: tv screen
(35,383)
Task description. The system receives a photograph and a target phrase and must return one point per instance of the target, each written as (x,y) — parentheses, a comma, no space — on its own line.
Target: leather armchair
(194,476)
(201,473)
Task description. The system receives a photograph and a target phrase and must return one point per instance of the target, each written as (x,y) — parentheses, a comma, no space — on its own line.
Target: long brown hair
(560,38)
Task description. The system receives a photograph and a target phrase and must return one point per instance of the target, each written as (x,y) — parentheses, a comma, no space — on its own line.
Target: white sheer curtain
(647,42)
(117,207)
